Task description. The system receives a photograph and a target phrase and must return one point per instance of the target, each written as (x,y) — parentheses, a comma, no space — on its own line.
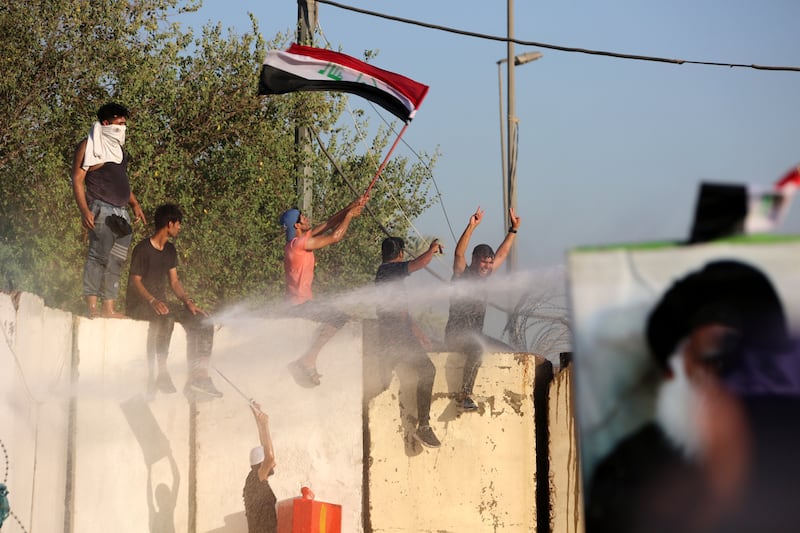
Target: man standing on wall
(102,191)
(401,340)
(464,330)
(154,262)
(298,262)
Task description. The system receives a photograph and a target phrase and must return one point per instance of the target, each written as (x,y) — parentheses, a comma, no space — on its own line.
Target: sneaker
(206,386)
(467,405)
(425,436)
(304,376)
(164,383)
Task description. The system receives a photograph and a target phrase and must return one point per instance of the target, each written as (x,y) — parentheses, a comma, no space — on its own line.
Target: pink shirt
(298,265)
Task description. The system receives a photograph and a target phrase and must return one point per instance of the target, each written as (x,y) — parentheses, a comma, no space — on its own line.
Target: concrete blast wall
(89,449)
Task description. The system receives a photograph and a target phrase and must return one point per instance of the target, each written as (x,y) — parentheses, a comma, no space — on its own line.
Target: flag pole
(386,159)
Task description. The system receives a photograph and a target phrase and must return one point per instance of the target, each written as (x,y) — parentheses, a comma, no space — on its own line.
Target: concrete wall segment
(565,477)
(156,463)
(36,368)
(482,478)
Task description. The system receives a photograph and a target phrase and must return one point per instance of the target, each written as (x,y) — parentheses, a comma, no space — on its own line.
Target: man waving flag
(304,68)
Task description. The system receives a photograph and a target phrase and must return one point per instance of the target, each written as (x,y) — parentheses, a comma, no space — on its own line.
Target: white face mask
(115,132)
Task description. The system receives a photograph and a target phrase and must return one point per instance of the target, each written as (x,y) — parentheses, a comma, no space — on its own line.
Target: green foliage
(198,136)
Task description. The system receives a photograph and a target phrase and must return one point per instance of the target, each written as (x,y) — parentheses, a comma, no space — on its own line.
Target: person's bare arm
(158,306)
(137,209)
(337,218)
(262,422)
(460,254)
(79,186)
(423,260)
(505,246)
(177,287)
(337,231)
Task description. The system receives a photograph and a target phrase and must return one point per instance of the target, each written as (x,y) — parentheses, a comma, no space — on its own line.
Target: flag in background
(305,68)
(790,182)
(768,207)
(727,209)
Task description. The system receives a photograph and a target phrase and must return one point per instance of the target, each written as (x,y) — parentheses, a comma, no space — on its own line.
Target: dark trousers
(400,345)
(199,336)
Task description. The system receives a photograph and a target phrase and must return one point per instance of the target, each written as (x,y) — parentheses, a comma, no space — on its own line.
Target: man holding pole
(299,262)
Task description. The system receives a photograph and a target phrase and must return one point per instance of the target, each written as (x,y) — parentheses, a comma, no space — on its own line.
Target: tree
(199,136)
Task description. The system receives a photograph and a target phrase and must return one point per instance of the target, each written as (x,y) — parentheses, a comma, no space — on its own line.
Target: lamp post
(508,176)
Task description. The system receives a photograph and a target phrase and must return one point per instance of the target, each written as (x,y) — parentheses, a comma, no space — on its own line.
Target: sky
(611,151)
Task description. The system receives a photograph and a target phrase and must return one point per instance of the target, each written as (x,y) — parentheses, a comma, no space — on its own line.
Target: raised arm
(262,422)
(460,259)
(423,260)
(339,228)
(505,246)
(338,218)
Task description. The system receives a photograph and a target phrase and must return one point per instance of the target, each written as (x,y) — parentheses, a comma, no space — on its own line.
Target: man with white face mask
(103,192)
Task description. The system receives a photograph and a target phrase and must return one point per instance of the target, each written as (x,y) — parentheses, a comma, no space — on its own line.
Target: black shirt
(259,504)
(153,266)
(109,183)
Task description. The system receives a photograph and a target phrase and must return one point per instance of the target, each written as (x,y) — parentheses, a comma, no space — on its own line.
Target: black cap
(725,292)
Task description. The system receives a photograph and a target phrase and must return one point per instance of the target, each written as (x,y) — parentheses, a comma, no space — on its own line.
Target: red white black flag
(304,68)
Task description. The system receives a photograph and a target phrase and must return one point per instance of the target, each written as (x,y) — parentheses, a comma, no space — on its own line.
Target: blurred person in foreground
(299,262)
(720,454)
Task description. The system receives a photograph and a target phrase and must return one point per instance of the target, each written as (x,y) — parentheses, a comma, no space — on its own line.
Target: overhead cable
(571,49)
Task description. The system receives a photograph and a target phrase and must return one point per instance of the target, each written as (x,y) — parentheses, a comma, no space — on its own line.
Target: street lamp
(508,176)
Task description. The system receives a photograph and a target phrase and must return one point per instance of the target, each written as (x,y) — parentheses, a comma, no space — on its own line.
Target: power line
(571,49)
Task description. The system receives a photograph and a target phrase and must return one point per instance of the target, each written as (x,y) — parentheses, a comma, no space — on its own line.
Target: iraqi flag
(304,68)
(790,182)
(768,208)
(727,209)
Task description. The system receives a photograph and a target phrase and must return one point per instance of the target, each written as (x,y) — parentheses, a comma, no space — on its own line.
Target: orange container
(306,515)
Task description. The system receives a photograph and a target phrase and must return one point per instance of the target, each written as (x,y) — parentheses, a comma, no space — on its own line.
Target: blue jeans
(107,253)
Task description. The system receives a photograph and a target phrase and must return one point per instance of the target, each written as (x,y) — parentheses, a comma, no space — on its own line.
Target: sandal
(304,376)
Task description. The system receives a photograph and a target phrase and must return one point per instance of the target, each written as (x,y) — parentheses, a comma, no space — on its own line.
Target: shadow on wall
(162,499)
(234,523)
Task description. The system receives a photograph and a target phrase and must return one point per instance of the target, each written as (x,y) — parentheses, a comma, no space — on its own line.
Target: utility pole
(306,24)
(512,133)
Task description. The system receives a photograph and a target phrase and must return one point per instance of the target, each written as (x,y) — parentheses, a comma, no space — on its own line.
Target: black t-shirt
(394,303)
(153,266)
(259,505)
(467,304)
